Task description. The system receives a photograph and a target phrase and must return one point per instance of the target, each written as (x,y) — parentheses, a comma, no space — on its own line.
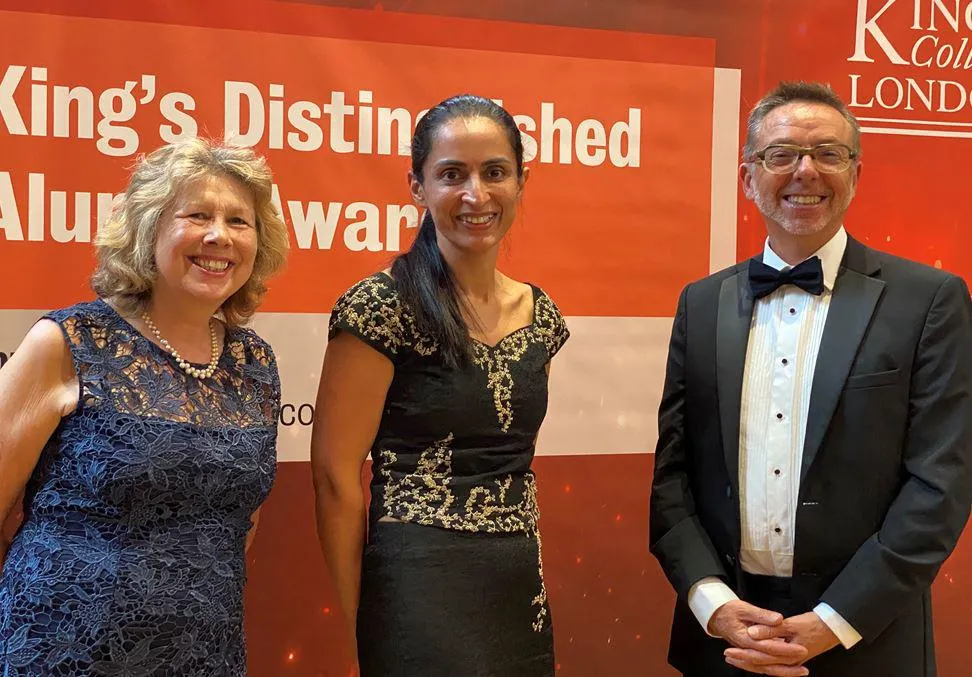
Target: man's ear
(747,171)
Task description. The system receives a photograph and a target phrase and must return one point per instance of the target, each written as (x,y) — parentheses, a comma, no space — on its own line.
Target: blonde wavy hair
(125,245)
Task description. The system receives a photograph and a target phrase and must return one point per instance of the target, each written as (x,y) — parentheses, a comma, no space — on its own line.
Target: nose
(806,169)
(475,192)
(218,231)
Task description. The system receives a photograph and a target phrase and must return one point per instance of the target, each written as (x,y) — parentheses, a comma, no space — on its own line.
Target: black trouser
(773,593)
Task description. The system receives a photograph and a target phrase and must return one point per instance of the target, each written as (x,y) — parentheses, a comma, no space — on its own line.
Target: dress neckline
(537,293)
(159,349)
(527,327)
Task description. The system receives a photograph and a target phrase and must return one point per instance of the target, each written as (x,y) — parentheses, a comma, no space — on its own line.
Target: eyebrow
(202,203)
(458,163)
(787,141)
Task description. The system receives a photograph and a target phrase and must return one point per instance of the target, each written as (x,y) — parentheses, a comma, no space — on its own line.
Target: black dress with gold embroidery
(453,584)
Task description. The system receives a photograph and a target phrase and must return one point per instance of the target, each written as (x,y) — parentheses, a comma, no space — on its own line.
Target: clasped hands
(766,643)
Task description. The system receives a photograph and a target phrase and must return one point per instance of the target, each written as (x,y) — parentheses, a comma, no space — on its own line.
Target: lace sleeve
(81,338)
(261,378)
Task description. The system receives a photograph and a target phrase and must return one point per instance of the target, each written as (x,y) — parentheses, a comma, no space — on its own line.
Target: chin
(801,230)
(480,245)
(806,229)
(210,297)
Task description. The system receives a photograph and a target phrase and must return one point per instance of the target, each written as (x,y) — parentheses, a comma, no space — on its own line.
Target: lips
(804,200)
(477,221)
(211,264)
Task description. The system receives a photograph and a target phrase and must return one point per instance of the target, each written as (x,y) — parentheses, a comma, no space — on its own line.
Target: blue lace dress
(130,561)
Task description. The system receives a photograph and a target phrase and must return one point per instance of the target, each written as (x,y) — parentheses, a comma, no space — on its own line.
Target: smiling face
(206,243)
(470,184)
(804,203)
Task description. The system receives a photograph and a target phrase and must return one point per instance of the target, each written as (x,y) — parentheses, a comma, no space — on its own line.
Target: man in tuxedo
(814,461)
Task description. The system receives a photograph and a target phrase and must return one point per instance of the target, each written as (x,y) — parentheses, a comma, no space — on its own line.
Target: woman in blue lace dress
(438,368)
(141,430)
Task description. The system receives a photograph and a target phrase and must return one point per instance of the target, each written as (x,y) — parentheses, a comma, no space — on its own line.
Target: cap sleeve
(370,311)
(550,325)
(261,369)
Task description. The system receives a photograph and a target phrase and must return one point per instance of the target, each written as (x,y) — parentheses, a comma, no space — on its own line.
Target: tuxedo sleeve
(676,536)
(927,516)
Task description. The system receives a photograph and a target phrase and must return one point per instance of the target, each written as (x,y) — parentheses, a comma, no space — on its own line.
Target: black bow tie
(807,275)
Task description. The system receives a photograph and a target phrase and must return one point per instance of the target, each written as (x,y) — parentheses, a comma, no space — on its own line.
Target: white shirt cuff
(845,632)
(706,596)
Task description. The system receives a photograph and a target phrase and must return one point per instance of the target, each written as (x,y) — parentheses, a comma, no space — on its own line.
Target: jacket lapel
(735,316)
(856,293)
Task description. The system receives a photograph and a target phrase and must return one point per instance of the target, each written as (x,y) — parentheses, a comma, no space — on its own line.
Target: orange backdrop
(612,244)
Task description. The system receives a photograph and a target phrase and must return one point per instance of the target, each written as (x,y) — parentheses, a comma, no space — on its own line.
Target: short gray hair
(805,92)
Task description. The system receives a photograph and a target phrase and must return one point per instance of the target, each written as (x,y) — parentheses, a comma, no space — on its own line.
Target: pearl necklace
(186,366)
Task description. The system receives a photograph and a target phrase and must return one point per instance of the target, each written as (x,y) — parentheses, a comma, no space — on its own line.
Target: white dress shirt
(781,356)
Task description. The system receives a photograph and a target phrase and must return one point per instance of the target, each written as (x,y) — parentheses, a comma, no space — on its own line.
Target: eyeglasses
(828,158)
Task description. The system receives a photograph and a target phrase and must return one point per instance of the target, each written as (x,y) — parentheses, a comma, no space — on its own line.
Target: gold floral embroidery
(548,328)
(371,310)
(541,599)
(426,497)
(496,363)
(549,325)
(492,513)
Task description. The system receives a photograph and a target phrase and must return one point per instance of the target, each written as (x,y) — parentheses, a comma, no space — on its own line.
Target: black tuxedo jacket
(886,477)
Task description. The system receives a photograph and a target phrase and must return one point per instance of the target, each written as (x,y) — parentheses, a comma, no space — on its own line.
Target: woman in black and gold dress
(438,368)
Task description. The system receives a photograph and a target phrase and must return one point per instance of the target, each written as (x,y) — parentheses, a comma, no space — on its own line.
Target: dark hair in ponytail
(423,279)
